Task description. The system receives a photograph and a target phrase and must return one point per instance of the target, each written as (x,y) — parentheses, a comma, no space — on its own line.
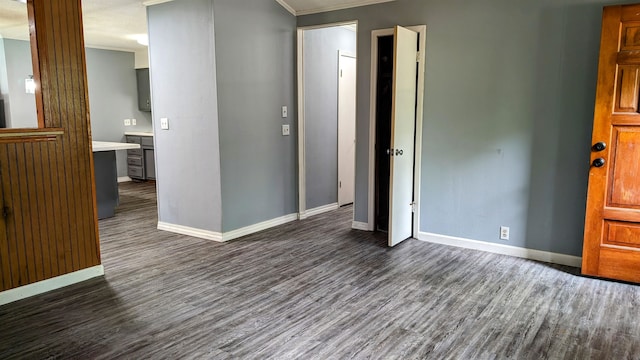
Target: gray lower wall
(21,106)
(183,87)
(113,93)
(321,48)
(509,97)
(255,63)
(4,82)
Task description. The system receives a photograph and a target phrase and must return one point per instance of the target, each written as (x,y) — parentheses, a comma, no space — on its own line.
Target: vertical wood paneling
(49,186)
(5,265)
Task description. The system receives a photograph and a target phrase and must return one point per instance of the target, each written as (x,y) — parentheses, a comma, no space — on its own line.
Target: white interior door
(346,128)
(402,134)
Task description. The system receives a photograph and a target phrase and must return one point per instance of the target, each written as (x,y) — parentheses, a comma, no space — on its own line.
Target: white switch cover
(285,130)
(133,122)
(127,122)
(164,123)
(284,111)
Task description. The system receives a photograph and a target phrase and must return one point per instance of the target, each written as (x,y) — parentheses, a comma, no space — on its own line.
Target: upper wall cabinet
(144,89)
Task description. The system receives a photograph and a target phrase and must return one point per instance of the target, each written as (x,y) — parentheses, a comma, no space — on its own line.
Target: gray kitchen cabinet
(140,162)
(144,89)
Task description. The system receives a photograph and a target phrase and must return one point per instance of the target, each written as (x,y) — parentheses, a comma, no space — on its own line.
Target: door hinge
(340,72)
(340,184)
(418,56)
(413,207)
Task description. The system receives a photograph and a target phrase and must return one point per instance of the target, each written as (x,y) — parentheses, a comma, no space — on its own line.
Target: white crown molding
(339,7)
(44,286)
(155,2)
(525,253)
(287,7)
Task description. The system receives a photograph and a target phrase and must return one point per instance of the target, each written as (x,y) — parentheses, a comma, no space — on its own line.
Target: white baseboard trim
(190,231)
(532,254)
(122,179)
(229,235)
(359,225)
(247,230)
(320,209)
(44,286)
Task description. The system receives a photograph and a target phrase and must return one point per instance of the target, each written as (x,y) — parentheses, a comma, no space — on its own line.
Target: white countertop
(109,146)
(138,133)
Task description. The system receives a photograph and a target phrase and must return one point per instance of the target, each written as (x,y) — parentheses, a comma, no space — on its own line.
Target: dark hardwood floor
(316,289)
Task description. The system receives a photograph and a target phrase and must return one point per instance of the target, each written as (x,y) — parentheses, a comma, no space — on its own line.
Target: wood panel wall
(47,187)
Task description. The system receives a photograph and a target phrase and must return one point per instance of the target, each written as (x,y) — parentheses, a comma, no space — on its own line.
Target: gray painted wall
(4,82)
(255,60)
(509,97)
(183,86)
(113,94)
(113,97)
(321,48)
(22,106)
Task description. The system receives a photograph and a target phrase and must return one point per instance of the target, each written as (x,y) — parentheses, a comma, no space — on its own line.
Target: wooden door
(612,224)
(403,123)
(346,128)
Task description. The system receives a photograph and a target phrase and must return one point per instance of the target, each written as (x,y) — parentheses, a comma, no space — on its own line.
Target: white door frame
(342,53)
(375,34)
(302,177)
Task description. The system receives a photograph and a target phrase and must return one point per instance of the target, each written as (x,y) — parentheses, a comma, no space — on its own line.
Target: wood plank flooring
(316,289)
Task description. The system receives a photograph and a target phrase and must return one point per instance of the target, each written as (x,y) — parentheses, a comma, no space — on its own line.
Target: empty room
(319,179)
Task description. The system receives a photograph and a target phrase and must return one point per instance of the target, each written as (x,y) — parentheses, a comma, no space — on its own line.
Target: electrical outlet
(164,123)
(127,122)
(504,233)
(133,122)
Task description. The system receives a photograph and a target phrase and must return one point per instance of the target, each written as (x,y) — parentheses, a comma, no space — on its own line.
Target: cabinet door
(149,164)
(144,89)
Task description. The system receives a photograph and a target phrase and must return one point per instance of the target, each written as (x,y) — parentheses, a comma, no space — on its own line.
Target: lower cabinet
(140,162)
(149,164)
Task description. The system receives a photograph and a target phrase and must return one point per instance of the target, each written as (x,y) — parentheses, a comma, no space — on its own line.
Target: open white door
(402,134)
(346,128)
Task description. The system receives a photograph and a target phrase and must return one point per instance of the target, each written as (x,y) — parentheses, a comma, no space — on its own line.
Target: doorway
(393,205)
(327,62)
(346,128)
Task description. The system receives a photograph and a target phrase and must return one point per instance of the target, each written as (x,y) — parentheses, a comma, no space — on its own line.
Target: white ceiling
(114,24)
(108,24)
(305,7)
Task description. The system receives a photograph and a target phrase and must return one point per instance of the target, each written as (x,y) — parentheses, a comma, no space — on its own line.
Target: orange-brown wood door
(612,224)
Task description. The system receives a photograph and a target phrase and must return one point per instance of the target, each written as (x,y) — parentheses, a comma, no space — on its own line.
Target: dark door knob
(599,162)
(599,146)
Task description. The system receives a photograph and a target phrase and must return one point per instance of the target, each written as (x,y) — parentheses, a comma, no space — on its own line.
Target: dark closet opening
(384,98)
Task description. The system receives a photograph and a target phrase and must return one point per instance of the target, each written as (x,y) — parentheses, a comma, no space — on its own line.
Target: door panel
(346,129)
(625,187)
(402,135)
(612,224)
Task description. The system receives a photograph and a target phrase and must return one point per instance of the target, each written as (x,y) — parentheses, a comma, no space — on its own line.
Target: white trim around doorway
(302,179)
(375,34)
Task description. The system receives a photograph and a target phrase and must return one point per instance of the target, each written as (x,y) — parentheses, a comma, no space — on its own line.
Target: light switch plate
(284,112)
(127,122)
(164,123)
(133,122)
(285,130)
